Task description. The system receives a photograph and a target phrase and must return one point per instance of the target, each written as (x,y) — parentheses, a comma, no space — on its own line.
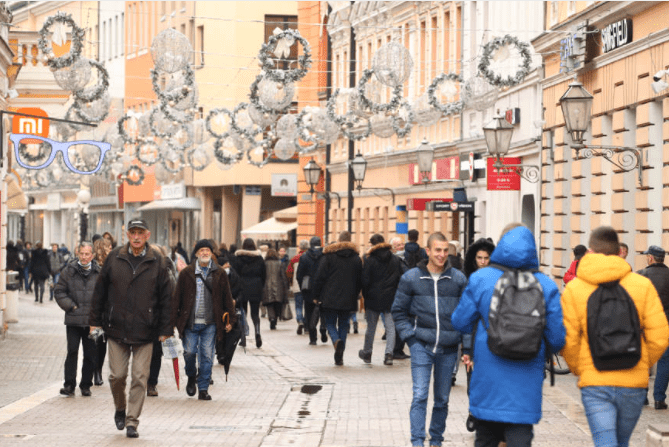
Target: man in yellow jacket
(612,400)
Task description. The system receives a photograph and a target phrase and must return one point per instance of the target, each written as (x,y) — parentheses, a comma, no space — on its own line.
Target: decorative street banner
(443,169)
(501,180)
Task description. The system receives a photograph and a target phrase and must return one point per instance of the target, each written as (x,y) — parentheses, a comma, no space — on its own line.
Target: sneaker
(67,390)
(300,328)
(119,419)
(366,357)
(660,405)
(151,391)
(388,360)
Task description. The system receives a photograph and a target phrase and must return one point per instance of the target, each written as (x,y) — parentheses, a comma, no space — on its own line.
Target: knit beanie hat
(203,243)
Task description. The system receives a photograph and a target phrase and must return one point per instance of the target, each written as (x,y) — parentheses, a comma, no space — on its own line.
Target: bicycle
(560,366)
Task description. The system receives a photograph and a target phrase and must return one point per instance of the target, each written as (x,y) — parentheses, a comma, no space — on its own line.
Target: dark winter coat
(413,254)
(75,289)
(13,258)
(422,309)
(308,266)
(276,285)
(381,273)
(338,280)
(134,306)
(658,273)
(470,257)
(40,267)
(185,296)
(250,267)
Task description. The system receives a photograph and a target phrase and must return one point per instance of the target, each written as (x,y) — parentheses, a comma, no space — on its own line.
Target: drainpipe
(351,143)
(328,147)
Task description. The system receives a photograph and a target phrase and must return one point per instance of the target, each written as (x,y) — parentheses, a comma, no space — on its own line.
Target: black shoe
(400,355)
(67,390)
(645,402)
(300,328)
(97,378)
(258,341)
(388,360)
(211,381)
(660,405)
(242,342)
(151,391)
(324,336)
(313,342)
(204,395)
(339,353)
(191,387)
(119,419)
(453,380)
(355,327)
(366,357)
(471,423)
(86,392)
(131,432)
(272,325)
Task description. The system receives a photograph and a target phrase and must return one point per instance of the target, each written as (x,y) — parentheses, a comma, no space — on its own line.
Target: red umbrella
(171,349)
(175,364)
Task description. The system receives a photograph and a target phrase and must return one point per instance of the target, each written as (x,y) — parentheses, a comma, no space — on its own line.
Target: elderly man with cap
(202,298)
(658,273)
(306,274)
(132,304)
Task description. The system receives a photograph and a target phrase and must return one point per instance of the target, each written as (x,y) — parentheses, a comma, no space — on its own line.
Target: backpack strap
(511,269)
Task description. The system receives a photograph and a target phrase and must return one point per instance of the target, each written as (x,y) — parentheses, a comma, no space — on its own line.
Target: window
(200,45)
(282,22)
(121,28)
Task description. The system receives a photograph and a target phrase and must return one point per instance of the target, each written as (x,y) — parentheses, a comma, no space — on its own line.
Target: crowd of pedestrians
(492,310)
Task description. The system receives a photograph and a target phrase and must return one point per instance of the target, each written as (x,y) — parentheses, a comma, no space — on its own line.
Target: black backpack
(614,330)
(412,258)
(517,315)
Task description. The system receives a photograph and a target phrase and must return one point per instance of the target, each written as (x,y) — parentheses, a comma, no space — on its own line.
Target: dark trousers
(156,360)
(76,335)
(255,313)
(490,434)
(39,289)
(309,307)
(399,344)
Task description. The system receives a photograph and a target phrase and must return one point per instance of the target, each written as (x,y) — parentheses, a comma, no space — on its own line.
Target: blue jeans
(612,413)
(423,359)
(55,278)
(337,324)
(26,277)
(299,308)
(661,378)
(200,342)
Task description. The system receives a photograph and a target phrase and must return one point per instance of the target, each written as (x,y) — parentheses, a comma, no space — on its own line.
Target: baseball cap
(654,250)
(137,223)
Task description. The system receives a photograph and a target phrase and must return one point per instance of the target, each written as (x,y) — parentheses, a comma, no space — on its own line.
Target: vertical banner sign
(30,125)
(499,180)
(401,225)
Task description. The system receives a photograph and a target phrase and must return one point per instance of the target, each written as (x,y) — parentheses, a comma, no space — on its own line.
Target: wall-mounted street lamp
(498,133)
(424,158)
(312,174)
(576,106)
(359,167)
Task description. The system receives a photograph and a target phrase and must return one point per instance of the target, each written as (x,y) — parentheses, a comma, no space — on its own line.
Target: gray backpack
(517,315)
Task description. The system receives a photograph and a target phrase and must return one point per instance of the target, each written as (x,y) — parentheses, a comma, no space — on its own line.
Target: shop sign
(499,180)
(171,192)
(469,159)
(617,34)
(421,204)
(465,207)
(284,185)
(31,125)
(442,169)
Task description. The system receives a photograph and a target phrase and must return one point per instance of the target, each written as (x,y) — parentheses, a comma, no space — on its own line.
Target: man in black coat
(74,294)
(337,288)
(308,267)
(132,302)
(658,273)
(381,273)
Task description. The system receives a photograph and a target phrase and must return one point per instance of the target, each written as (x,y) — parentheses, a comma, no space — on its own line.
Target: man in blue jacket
(505,395)
(425,299)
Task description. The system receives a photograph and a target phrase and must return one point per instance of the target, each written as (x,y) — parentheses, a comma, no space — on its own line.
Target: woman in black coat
(40,269)
(250,266)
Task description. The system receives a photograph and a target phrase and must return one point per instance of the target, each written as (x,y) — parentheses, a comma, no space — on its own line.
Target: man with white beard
(202,298)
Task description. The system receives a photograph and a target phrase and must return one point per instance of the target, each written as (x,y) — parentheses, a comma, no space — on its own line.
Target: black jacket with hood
(338,281)
(381,273)
(250,267)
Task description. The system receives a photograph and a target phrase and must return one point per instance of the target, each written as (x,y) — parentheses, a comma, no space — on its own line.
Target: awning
(16,199)
(286,214)
(185,204)
(270,230)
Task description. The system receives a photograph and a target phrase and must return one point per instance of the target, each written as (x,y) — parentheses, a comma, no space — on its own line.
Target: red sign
(442,169)
(31,126)
(419,204)
(500,180)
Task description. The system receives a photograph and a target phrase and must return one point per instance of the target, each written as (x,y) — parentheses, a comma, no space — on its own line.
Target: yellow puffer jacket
(595,269)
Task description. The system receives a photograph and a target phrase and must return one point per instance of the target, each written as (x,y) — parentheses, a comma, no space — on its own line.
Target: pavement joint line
(19,407)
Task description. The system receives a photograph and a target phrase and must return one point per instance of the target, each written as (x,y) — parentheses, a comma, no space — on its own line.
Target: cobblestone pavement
(286,394)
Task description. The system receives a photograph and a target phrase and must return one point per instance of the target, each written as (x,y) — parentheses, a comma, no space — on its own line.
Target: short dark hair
(622,244)
(413,235)
(438,236)
(248,244)
(604,240)
(376,239)
(344,236)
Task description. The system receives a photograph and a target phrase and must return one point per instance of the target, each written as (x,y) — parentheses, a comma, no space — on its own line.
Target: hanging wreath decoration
(489,51)
(248,134)
(267,62)
(224,156)
(179,161)
(77,36)
(141,154)
(186,144)
(82,114)
(152,124)
(94,93)
(344,123)
(42,154)
(405,113)
(121,129)
(267,152)
(139,173)
(304,135)
(255,99)
(451,108)
(177,94)
(43,178)
(212,114)
(367,103)
(193,164)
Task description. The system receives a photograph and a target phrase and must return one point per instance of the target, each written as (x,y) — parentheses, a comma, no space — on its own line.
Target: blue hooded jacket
(503,390)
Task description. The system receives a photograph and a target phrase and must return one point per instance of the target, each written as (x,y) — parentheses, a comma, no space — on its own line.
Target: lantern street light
(425,155)
(498,133)
(576,106)
(312,174)
(359,167)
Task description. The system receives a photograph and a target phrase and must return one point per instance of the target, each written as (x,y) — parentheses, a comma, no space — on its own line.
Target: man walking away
(202,298)
(612,398)
(132,303)
(74,294)
(425,298)
(658,273)
(337,286)
(413,253)
(381,273)
(306,275)
(504,393)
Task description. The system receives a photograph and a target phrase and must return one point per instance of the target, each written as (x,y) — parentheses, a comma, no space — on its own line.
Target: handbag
(286,313)
(306,284)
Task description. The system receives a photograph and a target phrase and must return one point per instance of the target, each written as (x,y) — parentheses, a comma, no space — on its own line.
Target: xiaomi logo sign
(31,125)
